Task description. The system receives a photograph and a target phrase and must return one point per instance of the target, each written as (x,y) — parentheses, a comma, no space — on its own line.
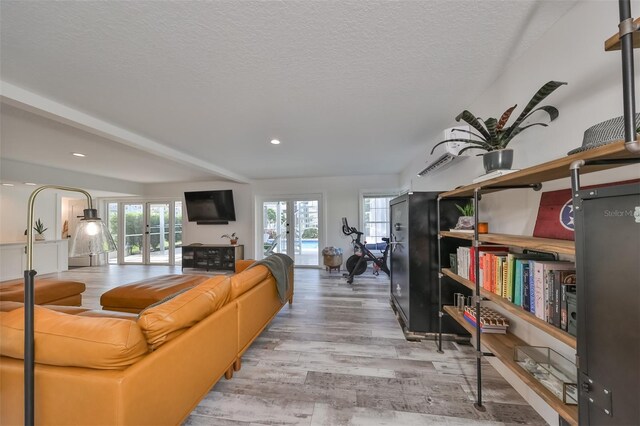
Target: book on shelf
(542,283)
(516,276)
(497,269)
(483,250)
(526,286)
(463,261)
(494,174)
(504,277)
(564,316)
(464,231)
(561,278)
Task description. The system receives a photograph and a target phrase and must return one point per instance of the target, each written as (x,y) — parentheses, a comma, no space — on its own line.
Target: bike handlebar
(348,230)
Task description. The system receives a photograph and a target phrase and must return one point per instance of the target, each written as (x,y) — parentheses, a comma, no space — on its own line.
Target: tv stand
(220,257)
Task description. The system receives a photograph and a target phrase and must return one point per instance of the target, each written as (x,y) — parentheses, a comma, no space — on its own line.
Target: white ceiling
(349,87)
(29,138)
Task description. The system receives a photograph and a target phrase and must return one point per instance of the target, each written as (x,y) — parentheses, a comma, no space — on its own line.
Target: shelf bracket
(626,26)
(575,173)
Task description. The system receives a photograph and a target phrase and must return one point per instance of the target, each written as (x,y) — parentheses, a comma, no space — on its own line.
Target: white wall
(340,197)
(211,234)
(13,213)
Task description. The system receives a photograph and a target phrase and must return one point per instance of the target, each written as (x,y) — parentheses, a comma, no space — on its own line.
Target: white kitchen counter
(48,256)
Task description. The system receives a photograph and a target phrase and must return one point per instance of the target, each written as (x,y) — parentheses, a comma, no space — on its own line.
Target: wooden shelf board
(502,347)
(533,243)
(613,42)
(459,235)
(548,171)
(555,332)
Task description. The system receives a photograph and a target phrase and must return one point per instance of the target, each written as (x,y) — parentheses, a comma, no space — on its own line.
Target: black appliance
(414,261)
(210,207)
(607,225)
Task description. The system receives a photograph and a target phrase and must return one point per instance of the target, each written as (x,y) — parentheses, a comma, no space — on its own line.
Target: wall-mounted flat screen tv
(210,207)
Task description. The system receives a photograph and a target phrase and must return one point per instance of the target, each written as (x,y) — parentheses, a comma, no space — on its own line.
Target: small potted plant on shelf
(493,135)
(466,221)
(40,230)
(233,239)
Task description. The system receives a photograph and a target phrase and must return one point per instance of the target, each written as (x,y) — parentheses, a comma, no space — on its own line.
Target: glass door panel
(274,225)
(113,224)
(158,233)
(305,236)
(177,232)
(291,227)
(134,228)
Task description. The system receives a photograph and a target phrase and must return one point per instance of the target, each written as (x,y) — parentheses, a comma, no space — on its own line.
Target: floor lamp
(91,237)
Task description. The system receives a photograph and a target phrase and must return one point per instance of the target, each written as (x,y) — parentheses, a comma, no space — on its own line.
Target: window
(375,217)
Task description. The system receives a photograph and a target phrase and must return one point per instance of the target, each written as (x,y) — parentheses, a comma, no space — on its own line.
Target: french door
(147,233)
(292,226)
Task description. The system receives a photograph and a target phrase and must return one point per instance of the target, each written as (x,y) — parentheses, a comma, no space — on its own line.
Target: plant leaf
(492,124)
(471,133)
(520,130)
(483,144)
(551,110)
(472,147)
(542,93)
(471,119)
(505,117)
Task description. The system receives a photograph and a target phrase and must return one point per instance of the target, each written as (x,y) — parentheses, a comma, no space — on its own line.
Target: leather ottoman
(47,291)
(136,296)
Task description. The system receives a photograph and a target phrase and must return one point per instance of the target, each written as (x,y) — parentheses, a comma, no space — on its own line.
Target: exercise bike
(357,263)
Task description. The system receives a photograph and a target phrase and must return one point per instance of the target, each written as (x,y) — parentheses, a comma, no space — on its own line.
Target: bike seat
(386,240)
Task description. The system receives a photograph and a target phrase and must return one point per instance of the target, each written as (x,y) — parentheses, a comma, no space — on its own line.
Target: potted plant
(233,239)
(466,221)
(40,230)
(494,135)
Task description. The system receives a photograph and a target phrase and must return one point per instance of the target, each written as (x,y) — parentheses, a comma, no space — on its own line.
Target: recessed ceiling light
(7,184)
(30,183)
(275,141)
(77,154)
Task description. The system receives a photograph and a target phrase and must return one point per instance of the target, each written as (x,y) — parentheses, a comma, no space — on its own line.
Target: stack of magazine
(490,320)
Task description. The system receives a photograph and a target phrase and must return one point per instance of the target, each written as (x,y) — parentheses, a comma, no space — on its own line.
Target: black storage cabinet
(608,267)
(414,261)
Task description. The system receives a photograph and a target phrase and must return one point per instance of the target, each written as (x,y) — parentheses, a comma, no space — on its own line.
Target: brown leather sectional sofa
(97,367)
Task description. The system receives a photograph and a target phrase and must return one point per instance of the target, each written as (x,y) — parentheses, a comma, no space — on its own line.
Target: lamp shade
(91,237)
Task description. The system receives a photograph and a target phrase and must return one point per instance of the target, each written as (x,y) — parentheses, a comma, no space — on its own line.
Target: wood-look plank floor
(337,356)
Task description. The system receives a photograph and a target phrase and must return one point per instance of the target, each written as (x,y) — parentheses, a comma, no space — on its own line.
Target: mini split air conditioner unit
(449,152)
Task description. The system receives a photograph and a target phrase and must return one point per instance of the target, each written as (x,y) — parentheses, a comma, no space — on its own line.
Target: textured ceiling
(349,87)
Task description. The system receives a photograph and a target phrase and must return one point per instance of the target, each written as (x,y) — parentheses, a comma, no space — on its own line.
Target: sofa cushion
(8,305)
(247,279)
(46,290)
(243,264)
(74,341)
(138,295)
(165,321)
